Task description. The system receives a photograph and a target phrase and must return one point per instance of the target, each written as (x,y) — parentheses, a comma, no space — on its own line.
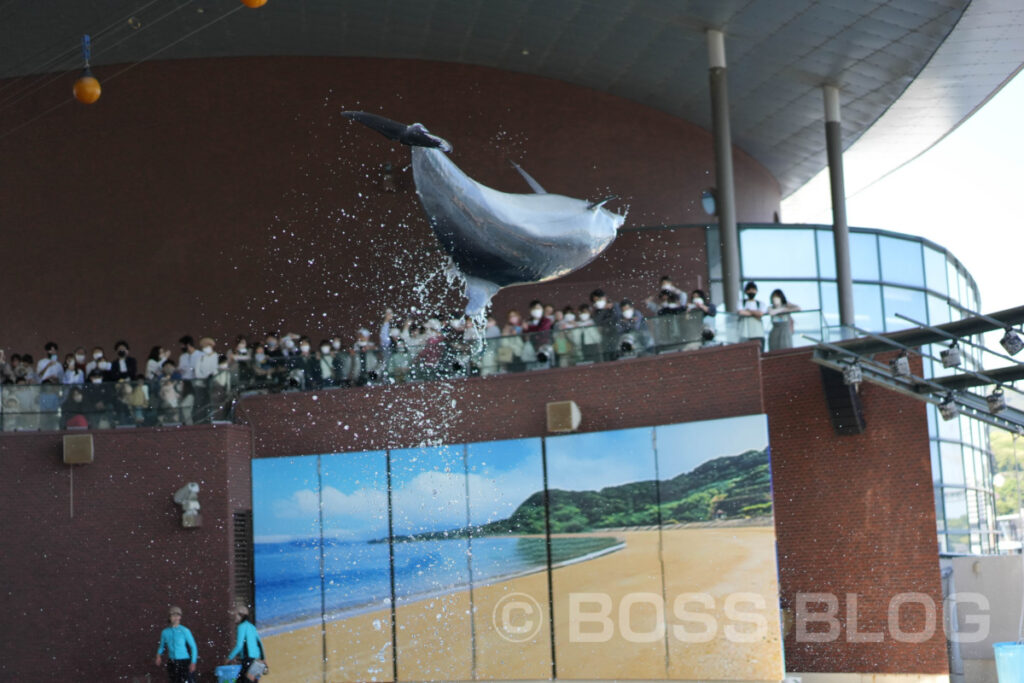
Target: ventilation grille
(244,560)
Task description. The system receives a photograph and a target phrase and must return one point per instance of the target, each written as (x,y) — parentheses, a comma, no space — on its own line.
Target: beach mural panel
(644,553)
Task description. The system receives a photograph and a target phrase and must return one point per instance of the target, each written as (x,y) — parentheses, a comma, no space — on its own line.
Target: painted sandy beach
(436,636)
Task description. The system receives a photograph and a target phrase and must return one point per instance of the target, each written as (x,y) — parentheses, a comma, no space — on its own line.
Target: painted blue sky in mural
(430,486)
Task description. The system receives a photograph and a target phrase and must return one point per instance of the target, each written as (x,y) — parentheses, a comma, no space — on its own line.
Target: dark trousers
(177,671)
(246,661)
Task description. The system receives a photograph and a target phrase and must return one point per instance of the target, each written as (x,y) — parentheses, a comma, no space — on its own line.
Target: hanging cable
(59,75)
(69,53)
(127,68)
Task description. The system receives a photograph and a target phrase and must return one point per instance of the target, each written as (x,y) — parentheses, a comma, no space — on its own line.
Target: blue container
(1010,662)
(228,673)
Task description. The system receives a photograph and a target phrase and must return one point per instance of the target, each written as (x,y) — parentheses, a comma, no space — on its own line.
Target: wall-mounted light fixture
(709,202)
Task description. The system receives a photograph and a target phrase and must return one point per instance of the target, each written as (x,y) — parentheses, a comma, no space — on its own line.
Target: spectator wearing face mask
(49,367)
(188,358)
(304,366)
(74,412)
(207,361)
(271,346)
(781,336)
(585,336)
(290,344)
(751,327)
(539,325)
(124,366)
(241,353)
(632,328)
(99,400)
(606,317)
(328,378)
(562,337)
(99,362)
(73,373)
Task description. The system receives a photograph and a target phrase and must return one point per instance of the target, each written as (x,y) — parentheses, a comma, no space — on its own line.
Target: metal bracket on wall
(950,393)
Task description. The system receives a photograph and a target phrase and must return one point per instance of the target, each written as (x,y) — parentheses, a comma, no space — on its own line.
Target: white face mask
(304,348)
(698,300)
(289,343)
(207,350)
(325,349)
(336,344)
(776,301)
(97,355)
(80,357)
(570,317)
(241,348)
(584,316)
(600,303)
(536,313)
(628,313)
(261,357)
(97,380)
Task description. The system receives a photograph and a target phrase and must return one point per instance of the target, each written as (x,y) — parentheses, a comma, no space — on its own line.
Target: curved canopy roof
(779,52)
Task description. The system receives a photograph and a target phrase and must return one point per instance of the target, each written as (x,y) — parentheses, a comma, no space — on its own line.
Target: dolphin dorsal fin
(534,185)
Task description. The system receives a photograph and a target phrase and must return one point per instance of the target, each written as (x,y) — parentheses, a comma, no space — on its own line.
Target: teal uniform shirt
(250,639)
(179,643)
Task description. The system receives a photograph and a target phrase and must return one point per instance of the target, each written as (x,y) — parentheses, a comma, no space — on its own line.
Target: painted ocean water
(357,578)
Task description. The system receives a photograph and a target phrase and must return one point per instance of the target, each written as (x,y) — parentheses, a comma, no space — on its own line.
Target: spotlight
(900,365)
(948,409)
(853,375)
(951,356)
(996,401)
(1011,342)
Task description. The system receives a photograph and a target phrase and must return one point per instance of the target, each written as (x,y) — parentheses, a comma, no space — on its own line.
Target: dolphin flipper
(534,185)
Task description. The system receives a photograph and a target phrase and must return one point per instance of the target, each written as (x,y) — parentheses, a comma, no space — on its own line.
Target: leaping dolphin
(497,239)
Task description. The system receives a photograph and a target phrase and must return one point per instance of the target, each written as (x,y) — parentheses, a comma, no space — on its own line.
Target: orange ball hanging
(254,3)
(87,88)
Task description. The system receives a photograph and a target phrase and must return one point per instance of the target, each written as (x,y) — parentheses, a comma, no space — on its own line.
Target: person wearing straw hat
(249,646)
(181,649)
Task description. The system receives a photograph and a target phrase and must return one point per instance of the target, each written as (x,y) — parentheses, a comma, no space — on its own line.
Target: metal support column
(840,228)
(725,192)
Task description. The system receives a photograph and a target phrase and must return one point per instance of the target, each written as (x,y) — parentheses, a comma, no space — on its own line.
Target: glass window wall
(864,256)
(770,252)
(901,261)
(935,270)
(905,301)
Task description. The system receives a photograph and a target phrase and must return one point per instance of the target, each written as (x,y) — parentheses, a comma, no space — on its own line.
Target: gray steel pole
(840,228)
(725,193)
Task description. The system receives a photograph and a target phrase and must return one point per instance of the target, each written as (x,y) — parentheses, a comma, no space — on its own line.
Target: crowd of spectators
(200,381)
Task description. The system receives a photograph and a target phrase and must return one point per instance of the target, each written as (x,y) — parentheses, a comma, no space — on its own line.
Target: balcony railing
(173,401)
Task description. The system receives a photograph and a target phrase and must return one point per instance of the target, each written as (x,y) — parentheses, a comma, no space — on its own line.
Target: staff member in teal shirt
(182,652)
(249,646)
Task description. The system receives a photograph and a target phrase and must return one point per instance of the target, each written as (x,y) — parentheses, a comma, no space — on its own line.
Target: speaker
(563,416)
(77,449)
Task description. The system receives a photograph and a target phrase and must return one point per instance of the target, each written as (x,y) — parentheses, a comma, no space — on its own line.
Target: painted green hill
(726,487)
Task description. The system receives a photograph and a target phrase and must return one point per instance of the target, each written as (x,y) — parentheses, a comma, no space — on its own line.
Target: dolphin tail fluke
(415,135)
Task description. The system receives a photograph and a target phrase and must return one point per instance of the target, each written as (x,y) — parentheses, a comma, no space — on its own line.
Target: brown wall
(91,558)
(220,196)
(853,514)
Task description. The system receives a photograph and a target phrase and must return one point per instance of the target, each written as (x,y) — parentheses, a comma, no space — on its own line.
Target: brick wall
(853,515)
(85,596)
